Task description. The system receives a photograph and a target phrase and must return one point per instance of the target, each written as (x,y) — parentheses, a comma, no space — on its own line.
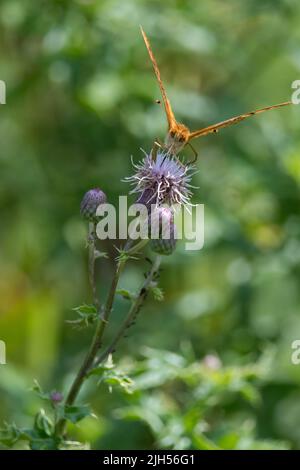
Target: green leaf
(76,413)
(85,309)
(125,255)
(38,390)
(101,368)
(74,445)
(10,434)
(43,424)
(251,394)
(111,376)
(44,444)
(39,437)
(87,315)
(202,442)
(126,294)
(115,378)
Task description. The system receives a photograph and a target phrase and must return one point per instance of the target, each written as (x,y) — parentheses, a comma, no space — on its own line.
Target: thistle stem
(134,310)
(98,335)
(92,259)
(95,345)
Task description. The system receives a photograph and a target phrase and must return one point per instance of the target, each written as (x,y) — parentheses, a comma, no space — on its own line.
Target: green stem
(92,279)
(98,335)
(100,328)
(95,345)
(135,307)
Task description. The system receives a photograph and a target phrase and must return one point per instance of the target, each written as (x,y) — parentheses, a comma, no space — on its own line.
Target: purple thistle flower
(164,180)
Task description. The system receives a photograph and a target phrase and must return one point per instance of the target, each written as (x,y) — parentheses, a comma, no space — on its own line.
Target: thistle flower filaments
(164,180)
(90,201)
(162,228)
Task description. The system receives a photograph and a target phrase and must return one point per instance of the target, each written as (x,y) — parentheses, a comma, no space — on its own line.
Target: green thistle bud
(90,201)
(162,225)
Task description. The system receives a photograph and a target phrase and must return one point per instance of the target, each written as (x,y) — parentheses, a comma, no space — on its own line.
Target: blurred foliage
(211,364)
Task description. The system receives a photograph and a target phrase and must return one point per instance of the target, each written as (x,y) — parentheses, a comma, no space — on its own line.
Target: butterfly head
(177,138)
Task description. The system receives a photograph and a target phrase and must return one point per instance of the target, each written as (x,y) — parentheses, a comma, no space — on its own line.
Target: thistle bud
(162,231)
(56,397)
(90,201)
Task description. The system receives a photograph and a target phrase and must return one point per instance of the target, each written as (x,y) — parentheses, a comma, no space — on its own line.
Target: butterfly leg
(195,155)
(157,145)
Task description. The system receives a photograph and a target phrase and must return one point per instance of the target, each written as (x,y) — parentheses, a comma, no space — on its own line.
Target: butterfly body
(177,137)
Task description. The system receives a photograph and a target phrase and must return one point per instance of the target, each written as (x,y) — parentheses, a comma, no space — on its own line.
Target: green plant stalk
(98,335)
(135,307)
(95,345)
(92,279)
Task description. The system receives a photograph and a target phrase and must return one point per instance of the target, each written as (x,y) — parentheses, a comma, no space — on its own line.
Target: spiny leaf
(109,375)
(85,309)
(38,390)
(124,255)
(10,434)
(87,315)
(126,294)
(75,413)
(43,424)
(50,443)
(123,381)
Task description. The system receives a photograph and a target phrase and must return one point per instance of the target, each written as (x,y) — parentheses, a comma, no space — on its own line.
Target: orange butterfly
(178,134)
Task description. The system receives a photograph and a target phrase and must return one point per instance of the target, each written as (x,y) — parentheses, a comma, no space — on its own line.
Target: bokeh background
(212,362)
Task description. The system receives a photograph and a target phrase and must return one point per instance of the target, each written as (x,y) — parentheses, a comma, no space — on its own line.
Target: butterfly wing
(170,116)
(233,120)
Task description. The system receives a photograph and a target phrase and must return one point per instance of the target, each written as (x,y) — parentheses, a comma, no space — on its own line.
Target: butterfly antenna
(170,116)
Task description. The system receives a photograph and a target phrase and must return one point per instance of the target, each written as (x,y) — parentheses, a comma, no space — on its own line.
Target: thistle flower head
(90,201)
(162,231)
(163,180)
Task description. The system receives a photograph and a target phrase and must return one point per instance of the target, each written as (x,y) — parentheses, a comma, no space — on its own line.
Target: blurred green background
(212,363)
